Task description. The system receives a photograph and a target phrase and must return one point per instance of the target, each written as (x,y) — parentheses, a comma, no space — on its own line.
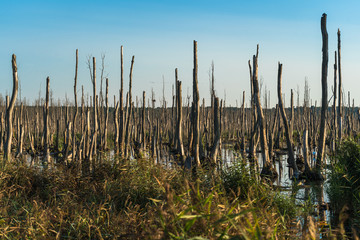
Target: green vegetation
(141,200)
(344,189)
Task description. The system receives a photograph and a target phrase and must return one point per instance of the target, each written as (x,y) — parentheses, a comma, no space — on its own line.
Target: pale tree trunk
(179,141)
(267,166)
(196,120)
(106,114)
(9,113)
(128,115)
(121,111)
(116,122)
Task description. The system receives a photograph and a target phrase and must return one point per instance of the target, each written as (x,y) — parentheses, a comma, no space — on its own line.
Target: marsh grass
(344,187)
(141,200)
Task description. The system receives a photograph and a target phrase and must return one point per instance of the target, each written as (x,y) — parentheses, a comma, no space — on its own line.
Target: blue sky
(45,34)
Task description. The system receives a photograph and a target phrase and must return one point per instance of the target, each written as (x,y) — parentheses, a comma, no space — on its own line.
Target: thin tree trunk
(340,87)
(46,123)
(291,157)
(143,135)
(196,117)
(106,113)
(76,108)
(128,117)
(324,100)
(9,113)
(179,141)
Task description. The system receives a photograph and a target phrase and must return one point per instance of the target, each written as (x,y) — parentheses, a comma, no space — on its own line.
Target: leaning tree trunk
(291,157)
(324,101)
(128,116)
(9,113)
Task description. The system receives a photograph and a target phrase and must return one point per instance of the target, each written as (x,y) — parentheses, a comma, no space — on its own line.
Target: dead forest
(187,132)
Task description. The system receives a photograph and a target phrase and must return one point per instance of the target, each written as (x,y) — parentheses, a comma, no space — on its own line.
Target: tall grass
(344,188)
(141,200)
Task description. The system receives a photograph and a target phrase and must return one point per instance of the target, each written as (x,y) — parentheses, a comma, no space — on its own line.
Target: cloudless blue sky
(45,34)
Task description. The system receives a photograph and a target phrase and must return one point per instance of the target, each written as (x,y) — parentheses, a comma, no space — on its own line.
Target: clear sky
(45,34)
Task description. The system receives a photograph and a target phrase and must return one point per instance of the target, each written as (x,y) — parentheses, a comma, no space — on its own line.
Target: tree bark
(291,157)
(324,100)
(196,118)
(9,113)
(76,108)
(339,116)
(46,124)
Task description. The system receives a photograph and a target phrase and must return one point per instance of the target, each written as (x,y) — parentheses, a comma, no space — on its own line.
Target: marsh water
(303,194)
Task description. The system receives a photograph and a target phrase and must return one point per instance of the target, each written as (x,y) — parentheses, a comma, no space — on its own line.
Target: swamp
(125,167)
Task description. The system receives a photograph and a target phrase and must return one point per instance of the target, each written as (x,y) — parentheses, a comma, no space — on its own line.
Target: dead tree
(143,135)
(179,141)
(324,100)
(128,115)
(196,110)
(216,144)
(116,122)
(334,106)
(95,117)
(106,114)
(121,110)
(9,113)
(267,170)
(339,116)
(76,108)
(291,155)
(46,124)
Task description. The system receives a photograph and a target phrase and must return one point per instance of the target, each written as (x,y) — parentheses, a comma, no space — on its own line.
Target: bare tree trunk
(143,135)
(339,117)
(9,113)
(179,141)
(292,114)
(121,127)
(106,113)
(306,151)
(324,100)
(128,117)
(116,122)
(216,144)
(95,119)
(196,120)
(46,124)
(2,133)
(267,167)
(291,157)
(334,107)
(243,114)
(76,108)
